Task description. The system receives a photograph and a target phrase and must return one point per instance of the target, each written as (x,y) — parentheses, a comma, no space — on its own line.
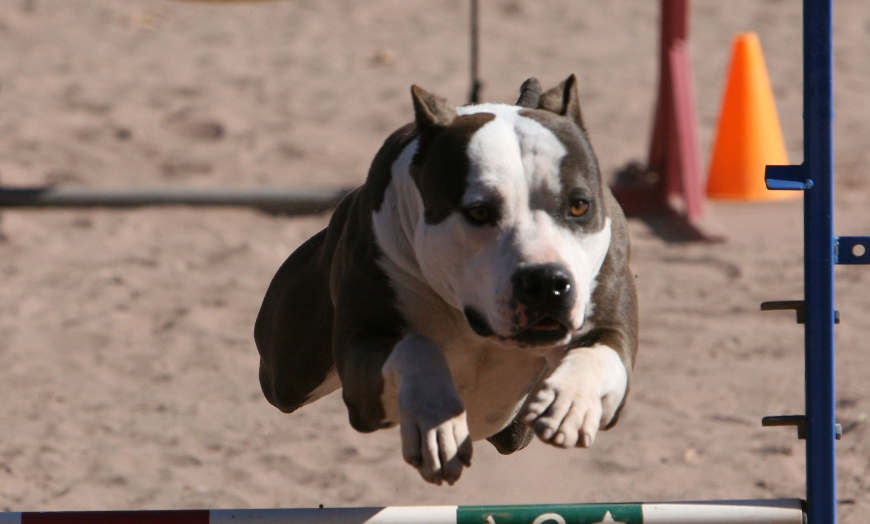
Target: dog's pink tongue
(545,324)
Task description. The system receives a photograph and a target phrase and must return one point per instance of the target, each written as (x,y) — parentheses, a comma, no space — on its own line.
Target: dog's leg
(581,396)
(434,430)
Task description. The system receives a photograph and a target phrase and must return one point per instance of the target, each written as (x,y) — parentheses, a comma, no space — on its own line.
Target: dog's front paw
(565,415)
(435,438)
(434,427)
(581,396)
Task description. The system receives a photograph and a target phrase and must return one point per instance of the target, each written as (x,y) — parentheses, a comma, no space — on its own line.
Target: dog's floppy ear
(530,93)
(563,100)
(431,111)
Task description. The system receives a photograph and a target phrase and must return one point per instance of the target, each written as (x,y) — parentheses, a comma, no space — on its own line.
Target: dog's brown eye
(479,214)
(579,208)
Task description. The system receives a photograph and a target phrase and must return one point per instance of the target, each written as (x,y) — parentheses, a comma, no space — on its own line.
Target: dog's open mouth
(546,330)
(545,324)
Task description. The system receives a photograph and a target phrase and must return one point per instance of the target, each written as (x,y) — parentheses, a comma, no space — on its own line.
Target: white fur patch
(396,222)
(585,257)
(513,147)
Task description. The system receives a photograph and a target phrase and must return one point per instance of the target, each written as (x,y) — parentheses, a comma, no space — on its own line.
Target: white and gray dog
(476,286)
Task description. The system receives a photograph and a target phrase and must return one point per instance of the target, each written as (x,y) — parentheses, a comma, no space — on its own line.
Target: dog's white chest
(492,382)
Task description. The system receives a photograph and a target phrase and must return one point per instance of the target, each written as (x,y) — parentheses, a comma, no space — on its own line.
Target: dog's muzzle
(543,296)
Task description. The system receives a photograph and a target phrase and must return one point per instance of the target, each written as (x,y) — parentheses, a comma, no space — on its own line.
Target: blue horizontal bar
(786,178)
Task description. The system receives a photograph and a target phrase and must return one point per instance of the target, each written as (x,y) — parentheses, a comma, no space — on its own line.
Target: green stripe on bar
(551,514)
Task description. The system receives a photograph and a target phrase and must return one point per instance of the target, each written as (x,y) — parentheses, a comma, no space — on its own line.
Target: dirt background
(128,373)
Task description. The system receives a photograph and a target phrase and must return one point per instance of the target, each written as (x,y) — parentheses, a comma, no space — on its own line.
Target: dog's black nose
(543,284)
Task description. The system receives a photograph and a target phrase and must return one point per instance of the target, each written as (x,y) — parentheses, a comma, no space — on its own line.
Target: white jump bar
(773,511)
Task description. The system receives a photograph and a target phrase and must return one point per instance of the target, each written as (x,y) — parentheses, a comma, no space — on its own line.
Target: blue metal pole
(819,262)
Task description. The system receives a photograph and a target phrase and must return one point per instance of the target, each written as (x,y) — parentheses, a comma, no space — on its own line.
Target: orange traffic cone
(749,136)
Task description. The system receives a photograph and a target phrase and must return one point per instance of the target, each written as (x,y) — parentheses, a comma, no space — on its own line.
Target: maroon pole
(670,184)
(683,167)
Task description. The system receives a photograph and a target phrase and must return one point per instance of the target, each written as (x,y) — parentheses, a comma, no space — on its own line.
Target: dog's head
(513,230)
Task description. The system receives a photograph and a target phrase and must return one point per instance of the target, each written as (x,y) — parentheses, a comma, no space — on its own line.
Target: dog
(477,286)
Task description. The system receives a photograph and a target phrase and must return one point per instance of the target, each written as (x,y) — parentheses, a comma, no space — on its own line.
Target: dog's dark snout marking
(543,284)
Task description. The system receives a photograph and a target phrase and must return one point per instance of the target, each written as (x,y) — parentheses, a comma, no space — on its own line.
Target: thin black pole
(283,200)
(474,97)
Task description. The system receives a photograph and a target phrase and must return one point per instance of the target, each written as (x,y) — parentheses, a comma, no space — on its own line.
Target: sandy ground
(128,373)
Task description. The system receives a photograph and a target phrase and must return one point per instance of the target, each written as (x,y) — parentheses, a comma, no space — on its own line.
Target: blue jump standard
(821,251)
(819,262)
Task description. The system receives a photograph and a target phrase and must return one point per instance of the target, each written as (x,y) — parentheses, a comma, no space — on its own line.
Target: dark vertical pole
(474,97)
(818,262)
